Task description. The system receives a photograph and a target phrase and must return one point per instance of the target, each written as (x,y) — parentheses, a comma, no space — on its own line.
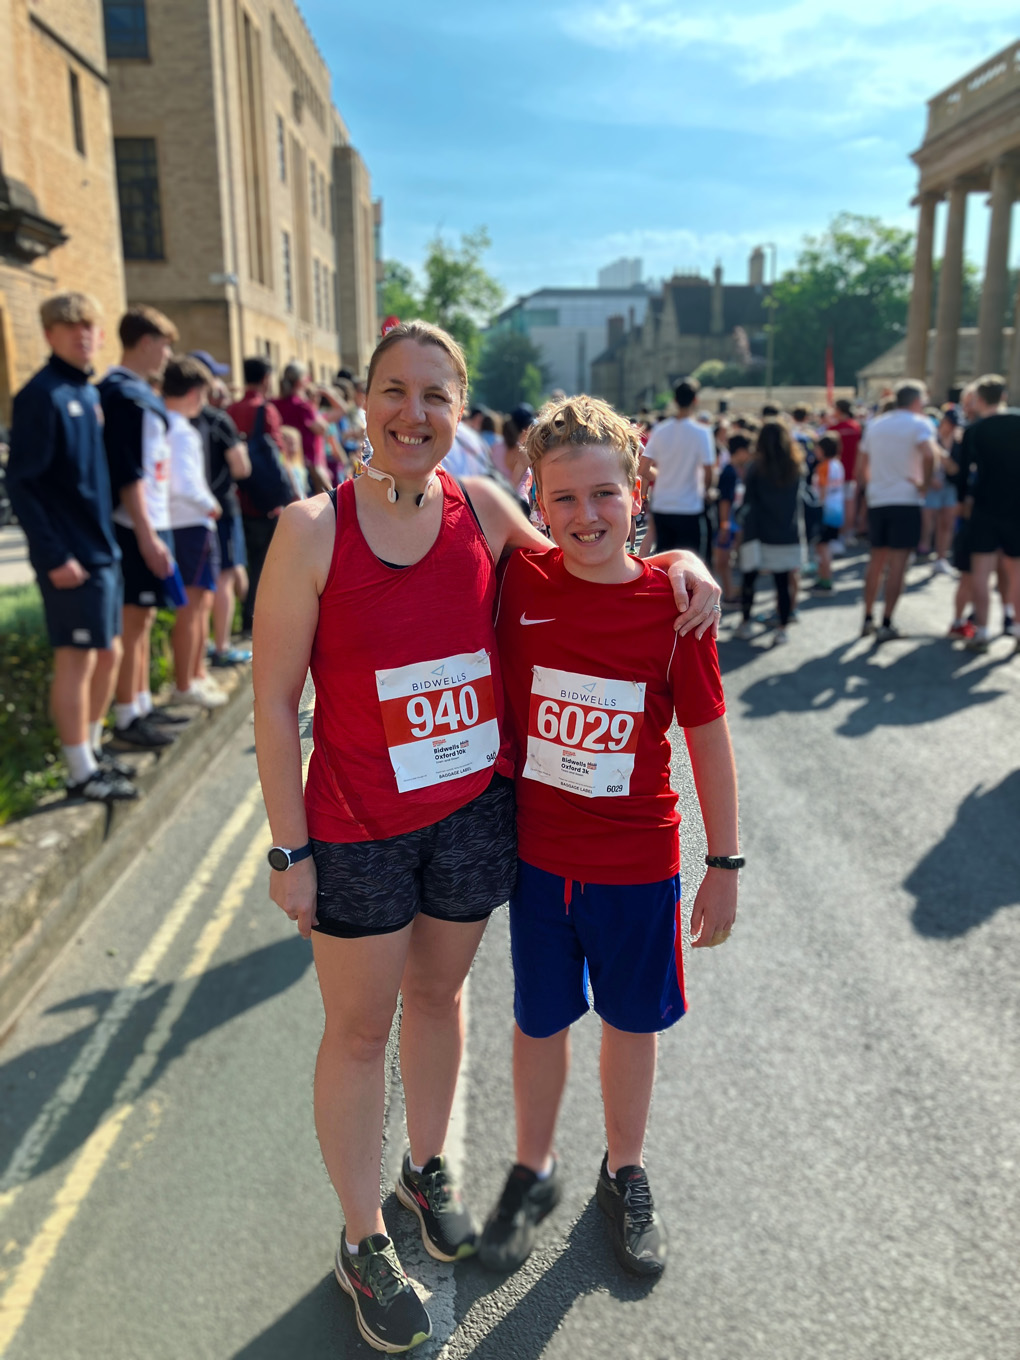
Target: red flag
(830,373)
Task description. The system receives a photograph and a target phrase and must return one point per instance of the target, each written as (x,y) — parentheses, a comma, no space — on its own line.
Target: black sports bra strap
(474,512)
(332,496)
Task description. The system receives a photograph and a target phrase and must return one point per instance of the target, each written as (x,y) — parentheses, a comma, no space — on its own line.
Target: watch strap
(293,856)
(725,861)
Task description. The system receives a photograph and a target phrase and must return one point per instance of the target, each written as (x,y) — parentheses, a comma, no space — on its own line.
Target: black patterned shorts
(460,869)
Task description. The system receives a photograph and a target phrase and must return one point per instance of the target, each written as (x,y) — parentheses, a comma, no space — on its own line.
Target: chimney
(716,325)
(756,268)
(615,330)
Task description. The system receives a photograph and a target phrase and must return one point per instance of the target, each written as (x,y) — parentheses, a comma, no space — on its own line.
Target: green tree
(400,291)
(853,284)
(708,373)
(509,371)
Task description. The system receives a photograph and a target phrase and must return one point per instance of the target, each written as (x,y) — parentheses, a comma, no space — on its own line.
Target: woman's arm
(286,615)
(715,778)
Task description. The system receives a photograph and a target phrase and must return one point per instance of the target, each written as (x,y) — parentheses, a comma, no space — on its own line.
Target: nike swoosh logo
(525,621)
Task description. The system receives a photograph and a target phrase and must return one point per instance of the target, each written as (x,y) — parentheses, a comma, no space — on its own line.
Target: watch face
(279,859)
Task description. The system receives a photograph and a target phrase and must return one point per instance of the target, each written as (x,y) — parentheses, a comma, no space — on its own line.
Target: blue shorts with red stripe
(622,939)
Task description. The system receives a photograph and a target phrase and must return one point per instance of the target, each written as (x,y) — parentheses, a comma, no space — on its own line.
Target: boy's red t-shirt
(593,675)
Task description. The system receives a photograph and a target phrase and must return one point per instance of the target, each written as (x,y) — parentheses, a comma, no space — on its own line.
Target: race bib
(439,718)
(583,732)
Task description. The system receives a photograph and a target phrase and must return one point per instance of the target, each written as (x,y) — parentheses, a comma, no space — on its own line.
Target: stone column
(947,321)
(1014,363)
(920,294)
(993,293)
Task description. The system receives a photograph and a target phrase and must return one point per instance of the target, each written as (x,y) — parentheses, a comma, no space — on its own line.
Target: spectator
(227,463)
(680,454)
(844,423)
(193,514)
(294,460)
(773,522)
(731,498)
(938,515)
(59,484)
(135,433)
(310,410)
(259,421)
(829,479)
(898,455)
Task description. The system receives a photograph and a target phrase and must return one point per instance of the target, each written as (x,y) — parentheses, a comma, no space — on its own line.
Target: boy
(594,672)
(830,480)
(60,489)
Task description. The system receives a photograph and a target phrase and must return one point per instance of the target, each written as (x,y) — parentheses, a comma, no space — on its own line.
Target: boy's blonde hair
(581,422)
(70,309)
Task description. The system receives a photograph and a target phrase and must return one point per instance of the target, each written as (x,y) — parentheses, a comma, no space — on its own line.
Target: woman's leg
(432,1026)
(628,1074)
(540,1074)
(927,531)
(944,530)
(359,980)
(747,594)
(782,579)
(824,552)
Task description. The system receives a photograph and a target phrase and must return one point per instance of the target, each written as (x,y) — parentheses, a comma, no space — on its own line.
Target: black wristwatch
(725,861)
(282,859)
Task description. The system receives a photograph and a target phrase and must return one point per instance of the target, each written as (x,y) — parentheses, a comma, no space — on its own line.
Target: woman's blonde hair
(293,449)
(580,422)
(422,333)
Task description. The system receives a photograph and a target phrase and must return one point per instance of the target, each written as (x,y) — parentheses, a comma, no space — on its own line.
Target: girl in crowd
(404,840)
(773,522)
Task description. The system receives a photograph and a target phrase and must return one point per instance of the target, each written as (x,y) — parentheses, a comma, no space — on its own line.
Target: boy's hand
(715,909)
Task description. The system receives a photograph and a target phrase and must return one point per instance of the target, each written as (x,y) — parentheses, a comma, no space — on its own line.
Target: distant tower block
(756,268)
(621,273)
(717,324)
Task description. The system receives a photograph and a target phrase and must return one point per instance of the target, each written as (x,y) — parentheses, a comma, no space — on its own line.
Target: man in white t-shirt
(898,456)
(682,454)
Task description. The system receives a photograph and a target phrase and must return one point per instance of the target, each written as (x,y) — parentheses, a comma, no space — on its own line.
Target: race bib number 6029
(439,718)
(583,732)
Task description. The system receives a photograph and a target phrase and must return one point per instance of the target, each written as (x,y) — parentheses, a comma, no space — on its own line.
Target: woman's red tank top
(408,695)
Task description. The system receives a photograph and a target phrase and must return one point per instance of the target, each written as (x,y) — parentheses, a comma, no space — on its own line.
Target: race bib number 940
(583,732)
(439,718)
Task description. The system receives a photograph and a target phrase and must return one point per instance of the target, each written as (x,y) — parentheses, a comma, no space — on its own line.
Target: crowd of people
(787,492)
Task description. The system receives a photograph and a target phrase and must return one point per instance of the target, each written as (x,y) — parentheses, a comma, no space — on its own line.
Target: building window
(127,32)
(325,296)
(313,180)
(288,280)
(281,149)
(322,198)
(317,288)
(332,224)
(77,121)
(138,191)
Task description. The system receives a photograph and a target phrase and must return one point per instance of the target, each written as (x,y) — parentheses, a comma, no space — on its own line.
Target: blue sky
(578,131)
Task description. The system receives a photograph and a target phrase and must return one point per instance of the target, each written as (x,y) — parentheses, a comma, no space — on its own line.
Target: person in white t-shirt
(898,456)
(680,453)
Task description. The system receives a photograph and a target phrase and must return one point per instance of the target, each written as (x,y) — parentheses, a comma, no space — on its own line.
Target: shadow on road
(320,1326)
(28,1081)
(974,870)
(931,680)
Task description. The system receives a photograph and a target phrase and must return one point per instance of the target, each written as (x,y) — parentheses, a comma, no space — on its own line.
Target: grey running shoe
(869,629)
(887,633)
(448,1232)
(509,1233)
(391,1316)
(636,1231)
(103,786)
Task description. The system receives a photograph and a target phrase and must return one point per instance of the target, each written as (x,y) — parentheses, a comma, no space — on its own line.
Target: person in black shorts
(990,457)
(60,489)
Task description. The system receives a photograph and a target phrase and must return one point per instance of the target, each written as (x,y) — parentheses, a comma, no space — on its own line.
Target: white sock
(124,715)
(958,623)
(351,1251)
(96,734)
(143,702)
(416,1169)
(80,762)
(982,634)
(547,1170)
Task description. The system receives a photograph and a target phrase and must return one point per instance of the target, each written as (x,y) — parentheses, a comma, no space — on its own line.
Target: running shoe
(233,656)
(109,764)
(391,1316)
(976,644)
(202,696)
(887,633)
(745,631)
(143,733)
(448,1232)
(837,547)
(509,1233)
(635,1229)
(823,583)
(869,629)
(162,717)
(1009,626)
(961,630)
(942,568)
(102,786)
(781,638)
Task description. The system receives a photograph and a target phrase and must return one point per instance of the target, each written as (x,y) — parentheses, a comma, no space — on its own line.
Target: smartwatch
(282,859)
(725,861)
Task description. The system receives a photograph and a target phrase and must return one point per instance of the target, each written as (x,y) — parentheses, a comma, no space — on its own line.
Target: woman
(938,517)
(773,521)
(387,589)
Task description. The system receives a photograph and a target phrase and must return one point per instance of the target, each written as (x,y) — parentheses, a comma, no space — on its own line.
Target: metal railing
(979,88)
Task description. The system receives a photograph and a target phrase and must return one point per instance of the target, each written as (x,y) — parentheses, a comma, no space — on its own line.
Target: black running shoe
(161,717)
(109,764)
(102,786)
(448,1231)
(509,1233)
(391,1316)
(142,733)
(638,1237)
(870,628)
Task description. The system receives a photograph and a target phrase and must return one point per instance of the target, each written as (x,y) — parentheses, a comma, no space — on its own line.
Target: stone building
(228,152)
(971,145)
(58,201)
(692,320)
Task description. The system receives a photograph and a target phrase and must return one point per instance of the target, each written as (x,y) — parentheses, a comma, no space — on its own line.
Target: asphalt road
(835,1139)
